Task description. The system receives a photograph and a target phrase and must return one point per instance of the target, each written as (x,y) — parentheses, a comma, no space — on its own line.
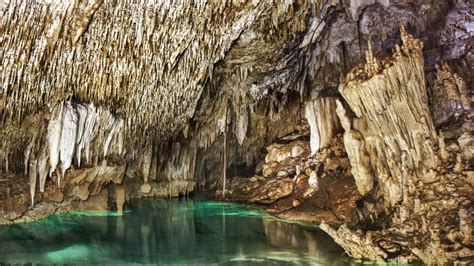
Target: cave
(236,132)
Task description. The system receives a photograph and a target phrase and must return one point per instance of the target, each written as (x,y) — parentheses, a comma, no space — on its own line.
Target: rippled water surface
(156,231)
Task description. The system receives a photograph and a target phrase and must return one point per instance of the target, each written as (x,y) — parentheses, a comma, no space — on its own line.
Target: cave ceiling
(149,61)
(161,64)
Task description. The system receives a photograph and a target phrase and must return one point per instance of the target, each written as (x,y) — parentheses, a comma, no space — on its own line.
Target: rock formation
(82,189)
(323,122)
(407,172)
(321,111)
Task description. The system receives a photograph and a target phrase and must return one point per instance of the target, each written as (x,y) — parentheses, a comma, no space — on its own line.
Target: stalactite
(32,174)
(88,132)
(115,129)
(82,22)
(68,138)
(323,122)
(242,123)
(120,140)
(154,163)
(82,112)
(120,198)
(145,168)
(224,154)
(314,128)
(54,137)
(43,166)
(27,153)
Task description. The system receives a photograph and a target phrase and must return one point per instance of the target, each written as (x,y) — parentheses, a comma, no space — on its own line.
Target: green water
(156,231)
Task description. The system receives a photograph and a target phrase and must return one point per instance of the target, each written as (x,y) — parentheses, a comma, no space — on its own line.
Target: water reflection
(168,231)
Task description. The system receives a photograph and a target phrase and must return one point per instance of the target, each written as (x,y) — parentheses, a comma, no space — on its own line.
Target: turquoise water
(157,231)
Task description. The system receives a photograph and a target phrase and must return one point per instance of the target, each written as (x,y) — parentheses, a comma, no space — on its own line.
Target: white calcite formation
(87,133)
(54,137)
(68,138)
(82,112)
(242,124)
(323,122)
(43,166)
(26,154)
(360,161)
(396,124)
(71,128)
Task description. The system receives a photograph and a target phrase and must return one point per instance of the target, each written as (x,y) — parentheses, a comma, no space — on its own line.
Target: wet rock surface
(82,189)
(298,186)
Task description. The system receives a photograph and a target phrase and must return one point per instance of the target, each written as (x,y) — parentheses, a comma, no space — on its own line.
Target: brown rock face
(83,189)
(450,95)
(311,189)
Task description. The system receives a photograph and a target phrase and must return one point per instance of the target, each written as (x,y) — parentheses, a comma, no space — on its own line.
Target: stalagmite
(450,95)
(68,139)
(442,147)
(395,123)
(54,137)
